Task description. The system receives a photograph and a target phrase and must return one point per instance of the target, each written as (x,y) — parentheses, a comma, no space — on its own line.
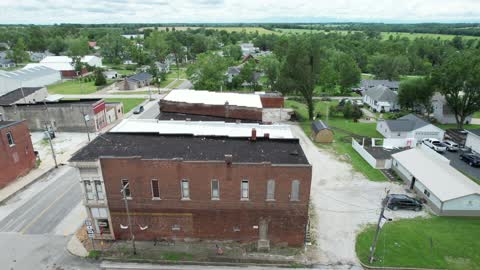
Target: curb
(29,184)
(395,268)
(201,263)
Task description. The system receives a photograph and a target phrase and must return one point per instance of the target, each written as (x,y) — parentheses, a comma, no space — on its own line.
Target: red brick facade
(272,101)
(228,111)
(18,159)
(200,217)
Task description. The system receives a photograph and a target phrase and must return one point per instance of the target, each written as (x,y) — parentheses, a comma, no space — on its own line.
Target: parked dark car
(401,201)
(138,110)
(471,159)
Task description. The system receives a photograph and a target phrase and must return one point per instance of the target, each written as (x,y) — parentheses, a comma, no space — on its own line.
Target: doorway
(412,184)
(263,229)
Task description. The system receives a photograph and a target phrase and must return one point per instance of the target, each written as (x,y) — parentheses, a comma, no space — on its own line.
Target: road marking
(45,210)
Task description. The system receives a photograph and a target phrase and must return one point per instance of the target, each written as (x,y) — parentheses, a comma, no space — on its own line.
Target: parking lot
(462,166)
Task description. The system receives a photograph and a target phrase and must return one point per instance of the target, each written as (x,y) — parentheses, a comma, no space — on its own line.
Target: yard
(437,242)
(74,87)
(343,129)
(128,103)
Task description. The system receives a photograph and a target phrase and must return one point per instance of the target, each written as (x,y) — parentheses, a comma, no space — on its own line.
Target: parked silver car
(435,145)
(451,146)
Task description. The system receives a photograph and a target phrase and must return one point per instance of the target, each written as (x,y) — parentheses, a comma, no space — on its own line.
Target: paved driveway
(462,166)
(344,202)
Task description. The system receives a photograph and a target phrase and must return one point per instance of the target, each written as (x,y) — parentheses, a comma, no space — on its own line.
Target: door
(263,230)
(412,184)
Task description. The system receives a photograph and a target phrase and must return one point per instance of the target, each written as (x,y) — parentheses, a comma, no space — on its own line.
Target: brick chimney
(254,135)
(266,136)
(228,159)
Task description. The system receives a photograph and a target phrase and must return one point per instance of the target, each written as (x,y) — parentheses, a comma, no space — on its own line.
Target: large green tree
(348,72)
(233,51)
(57,45)
(389,67)
(114,47)
(300,69)
(458,79)
(416,93)
(18,53)
(157,44)
(78,47)
(271,68)
(208,72)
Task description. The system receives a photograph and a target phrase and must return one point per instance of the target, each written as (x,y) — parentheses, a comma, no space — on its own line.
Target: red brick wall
(16,160)
(212,110)
(272,101)
(200,217)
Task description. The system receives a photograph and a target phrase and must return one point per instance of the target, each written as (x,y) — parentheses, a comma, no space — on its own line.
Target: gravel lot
(63,142)
(344,202)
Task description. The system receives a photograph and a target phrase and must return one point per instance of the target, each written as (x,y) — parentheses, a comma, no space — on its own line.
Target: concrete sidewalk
(46,166)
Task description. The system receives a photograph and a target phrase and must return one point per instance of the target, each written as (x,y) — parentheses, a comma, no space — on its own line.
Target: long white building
(27,77)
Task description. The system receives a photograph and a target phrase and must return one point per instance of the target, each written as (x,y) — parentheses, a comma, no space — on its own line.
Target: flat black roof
(383,153)
(65,102)
(16,95)
(5,124)
(190,148)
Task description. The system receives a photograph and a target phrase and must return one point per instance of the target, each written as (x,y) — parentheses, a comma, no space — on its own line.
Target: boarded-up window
(271,190)
(295,190)
(244,190)
(215,190)
(155,189)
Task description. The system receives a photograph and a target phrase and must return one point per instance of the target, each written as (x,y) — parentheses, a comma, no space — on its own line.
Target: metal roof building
(446,190)
(38,76)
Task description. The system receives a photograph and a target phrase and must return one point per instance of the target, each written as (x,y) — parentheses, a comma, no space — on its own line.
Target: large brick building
(229,106)
(243,182)
(16,151)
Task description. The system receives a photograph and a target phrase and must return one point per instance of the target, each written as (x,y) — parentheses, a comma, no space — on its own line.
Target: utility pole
(128,217)
(379,226)
(47,133)
(85,116)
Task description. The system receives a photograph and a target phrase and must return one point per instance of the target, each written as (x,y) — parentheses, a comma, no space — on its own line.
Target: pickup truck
(435,145)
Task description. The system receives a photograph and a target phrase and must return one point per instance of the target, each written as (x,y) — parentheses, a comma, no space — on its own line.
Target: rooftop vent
(228,159)
(254,135)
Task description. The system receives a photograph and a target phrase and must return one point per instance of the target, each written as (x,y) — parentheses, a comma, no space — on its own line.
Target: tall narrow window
(127,188)
(10,140)
(185,189)
(215,190)
(89,190)
(271,190)
(99,189)
(155,189)
(295,190)
(244,190)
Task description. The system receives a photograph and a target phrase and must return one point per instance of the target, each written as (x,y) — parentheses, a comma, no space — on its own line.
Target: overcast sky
(215,11)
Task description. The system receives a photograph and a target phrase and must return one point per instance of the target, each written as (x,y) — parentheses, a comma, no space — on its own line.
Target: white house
(443,113)
(111,74)
(409,127)
(381,99)
(447,191)
(248,48)
(473,140)
(92,60)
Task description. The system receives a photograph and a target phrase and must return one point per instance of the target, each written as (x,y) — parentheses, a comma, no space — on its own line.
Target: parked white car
(435,145)
(451,146)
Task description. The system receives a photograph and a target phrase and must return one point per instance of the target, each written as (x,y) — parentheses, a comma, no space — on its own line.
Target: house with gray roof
(136,81)
(381,99)
(409,127)
(367,84)
(443,113)
(6,63)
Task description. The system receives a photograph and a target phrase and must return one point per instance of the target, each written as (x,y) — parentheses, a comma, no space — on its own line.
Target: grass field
(342,144)
(246,29)
(302,31)
(437,242)
(448,126)
(135,93)
(476,115)
(74,87)
(128,103)
(386,35)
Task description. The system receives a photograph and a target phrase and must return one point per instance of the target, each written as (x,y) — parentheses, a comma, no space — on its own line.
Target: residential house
(27,77)
(248,48)
(111,74)
(136,81)
(321,133)
(409,127)
(61,115)
(473,140)
(39,56)
(446,191)
(17,156)
(131,37)
(163,67)
(208,181)
(367,84)
(7,63)
(443,113)
(381,99)
(232,72)
(92,60)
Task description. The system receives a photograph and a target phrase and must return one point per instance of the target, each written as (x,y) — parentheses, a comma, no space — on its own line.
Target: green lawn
(437,242)
(476,115)
(174,73)
(166,82)
(135,93)
(73,87)
(247,29)
(177,84)
(448,126)
(342,144)
(386,35)
(128,103)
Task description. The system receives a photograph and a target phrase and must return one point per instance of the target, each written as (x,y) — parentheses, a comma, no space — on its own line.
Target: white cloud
(152,11)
